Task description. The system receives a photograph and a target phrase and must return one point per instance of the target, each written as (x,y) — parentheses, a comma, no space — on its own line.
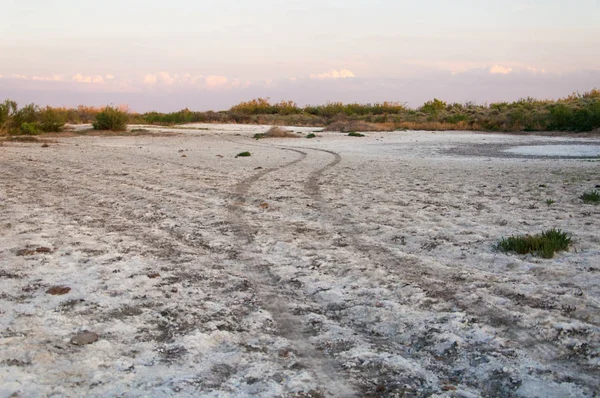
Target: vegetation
(543,245)
(311,135)
(591,197)
(575,113)
(29,120)
(110,118)
(550,202)
(355,134)
(243,154)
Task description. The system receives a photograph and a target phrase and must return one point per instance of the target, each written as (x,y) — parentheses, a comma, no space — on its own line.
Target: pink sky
(213,54)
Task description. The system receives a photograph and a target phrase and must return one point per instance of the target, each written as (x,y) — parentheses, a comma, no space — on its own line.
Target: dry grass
(109,133)
(358,125)
(26,139)
(437,126)
(277,132)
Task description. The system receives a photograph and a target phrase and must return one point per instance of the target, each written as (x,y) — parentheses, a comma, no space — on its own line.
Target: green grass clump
(311,135)
(29,129)
(112,119)
(243,154)
(591,197)
(355,134)
(258,136)
(550,202)
(543,245)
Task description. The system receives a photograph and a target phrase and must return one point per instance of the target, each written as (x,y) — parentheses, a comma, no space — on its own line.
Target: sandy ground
(335,266)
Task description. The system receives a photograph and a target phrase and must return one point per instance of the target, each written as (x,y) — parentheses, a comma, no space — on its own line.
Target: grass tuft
(591,196)
(543,245)
(243,154)
(355,134)
(311,135)
(550,202)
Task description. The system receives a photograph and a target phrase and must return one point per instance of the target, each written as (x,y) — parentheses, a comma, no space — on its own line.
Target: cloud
(500,70)
(150,79)
(166,78)
(215,81)
(97,79)
(53,78)
(187,79)
(109,77)
(334,74)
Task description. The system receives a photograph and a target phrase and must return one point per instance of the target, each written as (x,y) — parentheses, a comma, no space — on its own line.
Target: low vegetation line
(575,113)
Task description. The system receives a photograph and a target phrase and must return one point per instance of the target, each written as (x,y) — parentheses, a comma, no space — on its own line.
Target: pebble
(84,338)
(58,290)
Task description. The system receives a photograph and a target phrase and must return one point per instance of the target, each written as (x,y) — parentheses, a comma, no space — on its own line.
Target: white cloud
(53,78)
(79,78)
(166,78)
(500,70)
(150,79)
(334,74)
(215,81)
(533,70)
(187,79)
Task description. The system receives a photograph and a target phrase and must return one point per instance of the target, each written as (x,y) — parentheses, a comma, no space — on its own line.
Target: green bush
(51,120)
(243,154)
(543,245)
(355,134)
(7,111)
(111,119)
(29,128)
(311,135)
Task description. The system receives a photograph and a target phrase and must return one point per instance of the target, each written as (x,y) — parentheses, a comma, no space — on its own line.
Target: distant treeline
(577,112)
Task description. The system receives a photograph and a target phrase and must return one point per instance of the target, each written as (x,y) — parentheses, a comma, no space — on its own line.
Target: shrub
(591,196)
(243,154)
(7,111)
(311,135)
(433,107)
(29,128)
(543,245)
(550,202)
(278,132)
(111,119)
(355,134)
(52,120)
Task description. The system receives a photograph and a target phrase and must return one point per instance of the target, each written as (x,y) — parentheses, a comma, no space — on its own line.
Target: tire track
(330,377)
(434,280)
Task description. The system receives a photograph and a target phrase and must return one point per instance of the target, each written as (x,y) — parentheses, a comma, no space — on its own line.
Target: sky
(212,54)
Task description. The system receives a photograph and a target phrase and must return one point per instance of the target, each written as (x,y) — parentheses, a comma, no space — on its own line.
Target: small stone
(264,205)
(184,156)
(43,250)
(84,338)
(58,290)
(45,145)
(25,252)
(174,290)
(448,388)
(153,275)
